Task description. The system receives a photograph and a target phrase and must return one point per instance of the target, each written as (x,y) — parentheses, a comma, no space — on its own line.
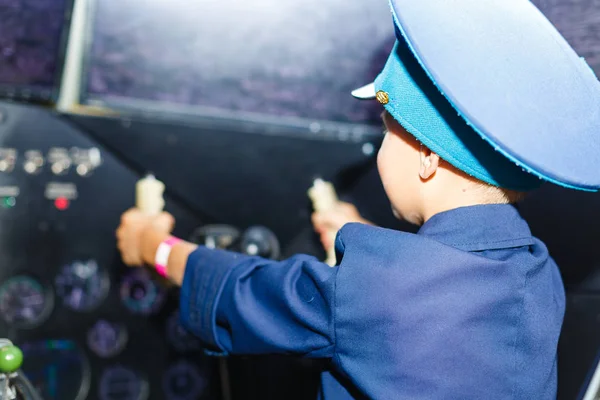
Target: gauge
(58,369)
(260,241)
(107,339)
(179,337)
(141,294)
(24,302)
(120,383)
(183,381)
(82,285)
(215,236)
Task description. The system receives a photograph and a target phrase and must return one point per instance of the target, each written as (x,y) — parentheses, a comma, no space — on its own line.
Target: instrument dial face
(82,285)
(179,337)
(24,302)
(107,339)
(58,369)
(184,381)
(140,293)
(216,236)
(260,241)
(120,383)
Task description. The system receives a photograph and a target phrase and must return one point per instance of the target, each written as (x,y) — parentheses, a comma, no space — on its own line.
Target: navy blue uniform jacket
(470,307)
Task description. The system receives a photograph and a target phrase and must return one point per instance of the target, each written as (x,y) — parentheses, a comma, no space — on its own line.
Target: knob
(216,236)
(59,160)
(11,359)
(7,159)
(260,241)
(86,160)
(34,161)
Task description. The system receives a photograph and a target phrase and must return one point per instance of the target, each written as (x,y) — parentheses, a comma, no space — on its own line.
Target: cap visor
(366,92)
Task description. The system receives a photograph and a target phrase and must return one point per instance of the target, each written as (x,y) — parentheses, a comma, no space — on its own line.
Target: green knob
(11,359)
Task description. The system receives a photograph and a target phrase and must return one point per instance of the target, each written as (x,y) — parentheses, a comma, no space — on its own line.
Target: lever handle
(325,198)
(149,195)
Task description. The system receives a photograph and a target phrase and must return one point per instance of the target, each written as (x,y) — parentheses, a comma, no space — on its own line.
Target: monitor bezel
(207,116)
(36,94)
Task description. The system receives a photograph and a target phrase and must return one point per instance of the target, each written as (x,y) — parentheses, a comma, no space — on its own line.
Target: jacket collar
(479,228)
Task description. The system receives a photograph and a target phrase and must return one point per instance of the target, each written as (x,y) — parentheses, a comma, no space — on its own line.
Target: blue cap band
(416,103)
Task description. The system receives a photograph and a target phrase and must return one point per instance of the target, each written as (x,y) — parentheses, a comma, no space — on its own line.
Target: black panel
(37,240)
(239,177)
(566,221)
(579,347)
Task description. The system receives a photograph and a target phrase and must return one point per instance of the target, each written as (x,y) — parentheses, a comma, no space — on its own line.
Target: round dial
(58,369)
(184,381)
(24,302)
(107,339)
(141,294)
(179,337)
(260,241)
(120,383)
(216,236)
(82,285)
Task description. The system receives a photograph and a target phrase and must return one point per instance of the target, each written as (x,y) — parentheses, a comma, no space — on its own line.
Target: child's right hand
(328,223)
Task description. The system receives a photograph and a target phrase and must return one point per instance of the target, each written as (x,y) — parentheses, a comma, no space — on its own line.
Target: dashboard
(89,327)
(92,328)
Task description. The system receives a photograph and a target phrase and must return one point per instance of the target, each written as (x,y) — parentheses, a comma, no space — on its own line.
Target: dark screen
(293,58)
(31,38)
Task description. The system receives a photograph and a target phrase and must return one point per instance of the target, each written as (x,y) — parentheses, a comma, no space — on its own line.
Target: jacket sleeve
(249,305)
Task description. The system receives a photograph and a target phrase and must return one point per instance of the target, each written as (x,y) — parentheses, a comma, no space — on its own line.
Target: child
(483,101)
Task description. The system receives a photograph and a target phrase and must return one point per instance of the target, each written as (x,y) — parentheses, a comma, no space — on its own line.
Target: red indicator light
(61,203)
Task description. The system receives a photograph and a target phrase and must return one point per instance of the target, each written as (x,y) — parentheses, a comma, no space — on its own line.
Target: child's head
(481,104)
(420,184)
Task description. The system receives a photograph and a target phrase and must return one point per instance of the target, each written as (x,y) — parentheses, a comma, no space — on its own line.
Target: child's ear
(429,163)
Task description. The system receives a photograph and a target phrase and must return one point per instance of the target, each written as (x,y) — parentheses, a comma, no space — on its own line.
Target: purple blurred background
(295,58)
(30,37)
(298,58)
(579,22)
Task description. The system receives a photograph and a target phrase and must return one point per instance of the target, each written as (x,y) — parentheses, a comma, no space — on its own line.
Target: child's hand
(133,231)
(328,223)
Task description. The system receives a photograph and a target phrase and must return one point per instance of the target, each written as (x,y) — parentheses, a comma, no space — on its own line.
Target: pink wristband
(161,259)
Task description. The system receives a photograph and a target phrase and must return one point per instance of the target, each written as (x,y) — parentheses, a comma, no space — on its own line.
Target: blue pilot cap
(495,90)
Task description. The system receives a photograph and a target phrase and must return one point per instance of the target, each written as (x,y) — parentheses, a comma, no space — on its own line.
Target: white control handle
(324,198)
(149,195)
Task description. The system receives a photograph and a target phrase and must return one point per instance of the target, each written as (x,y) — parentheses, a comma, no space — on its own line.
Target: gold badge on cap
(382,97)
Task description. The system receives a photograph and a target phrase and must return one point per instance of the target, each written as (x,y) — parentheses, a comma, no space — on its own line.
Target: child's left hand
(136,227)
(328,223)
